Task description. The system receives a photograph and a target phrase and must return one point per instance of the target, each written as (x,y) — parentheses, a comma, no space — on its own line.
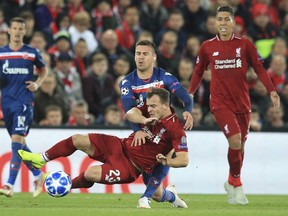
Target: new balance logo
(215,53)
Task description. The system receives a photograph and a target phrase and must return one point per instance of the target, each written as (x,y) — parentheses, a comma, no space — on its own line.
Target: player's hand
(140,138)
(161,159)
(150,121)
(32,86)
(275,99)
(188,120)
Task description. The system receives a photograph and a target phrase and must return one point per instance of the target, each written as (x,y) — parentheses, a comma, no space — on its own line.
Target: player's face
(17,31)
(144,58)
(155,107)
(225,24)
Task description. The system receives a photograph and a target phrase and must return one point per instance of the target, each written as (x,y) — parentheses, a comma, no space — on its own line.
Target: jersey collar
(218,37)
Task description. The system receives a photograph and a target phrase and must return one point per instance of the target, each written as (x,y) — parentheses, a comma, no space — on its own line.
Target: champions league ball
(58,184)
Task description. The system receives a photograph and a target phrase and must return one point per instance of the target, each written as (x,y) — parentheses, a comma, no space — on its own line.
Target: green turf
(22,204)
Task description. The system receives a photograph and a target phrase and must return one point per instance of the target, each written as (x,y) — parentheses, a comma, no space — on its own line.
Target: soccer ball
(58,184)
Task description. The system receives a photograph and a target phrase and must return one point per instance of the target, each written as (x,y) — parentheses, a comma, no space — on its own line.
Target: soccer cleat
(6,191)
(239,196)
(178,203)
(230,193)
(38,185)
(35,159)
(144,202)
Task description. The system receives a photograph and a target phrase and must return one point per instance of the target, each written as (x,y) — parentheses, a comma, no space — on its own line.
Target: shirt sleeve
(257,63)
(175,87)
(179,139)
(128,100)
(39,62)
(201,65)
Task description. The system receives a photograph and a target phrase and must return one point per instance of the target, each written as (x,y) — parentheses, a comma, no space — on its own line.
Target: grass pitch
(23,204)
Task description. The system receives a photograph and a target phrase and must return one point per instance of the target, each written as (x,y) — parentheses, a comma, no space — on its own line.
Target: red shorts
(116,167)
(233,123)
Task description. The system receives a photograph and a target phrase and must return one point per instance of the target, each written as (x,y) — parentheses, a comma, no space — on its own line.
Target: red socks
(61,149)
(81,182)
(235,163)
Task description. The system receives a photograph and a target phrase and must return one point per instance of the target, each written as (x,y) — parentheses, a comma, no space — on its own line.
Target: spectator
(209,29)
(103,17)
(50,94)
(277,72)
(53,116)
(121,66)
(68,78)
(38,41)
(80,29)
(46,12)
(130,29)
(98,87)
(192,48)
(197,115)
(30,24)
(175,23)
(202,95)
(185,69)
(152,16)
(4,40)
(62,45)
(278,48)
(261,30)
(167,56)
(118,9)
(259,97)
(62,23)
(274,118)
(284,100)
(73,7)
(240,10)
(255,120)
(81,59)
(79,115)
(112,116)
(112,50)
(195,17)
(240,28)
(3,24)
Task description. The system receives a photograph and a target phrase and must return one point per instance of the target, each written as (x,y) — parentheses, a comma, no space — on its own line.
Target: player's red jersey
(229,62)
(166,135)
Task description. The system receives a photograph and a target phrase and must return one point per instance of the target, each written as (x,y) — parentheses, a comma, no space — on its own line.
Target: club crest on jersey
(156,84)
(25,55)
(238,52)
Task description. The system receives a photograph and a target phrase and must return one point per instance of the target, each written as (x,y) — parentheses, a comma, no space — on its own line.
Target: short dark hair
(147,43)
(17,19)
(225,8)
(162,93)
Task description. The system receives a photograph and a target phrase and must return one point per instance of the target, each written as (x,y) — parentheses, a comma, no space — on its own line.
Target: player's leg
(17,122)
(228,123)
(156,190)
(63,148)
(243,121)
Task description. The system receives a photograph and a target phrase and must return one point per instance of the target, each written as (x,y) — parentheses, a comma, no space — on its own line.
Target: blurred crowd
(88,47)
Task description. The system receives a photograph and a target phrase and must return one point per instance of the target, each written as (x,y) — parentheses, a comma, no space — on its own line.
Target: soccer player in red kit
(123,162)
(229,58)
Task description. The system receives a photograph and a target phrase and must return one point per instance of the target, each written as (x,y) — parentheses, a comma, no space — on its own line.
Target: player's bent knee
(93,173)
(80,141)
